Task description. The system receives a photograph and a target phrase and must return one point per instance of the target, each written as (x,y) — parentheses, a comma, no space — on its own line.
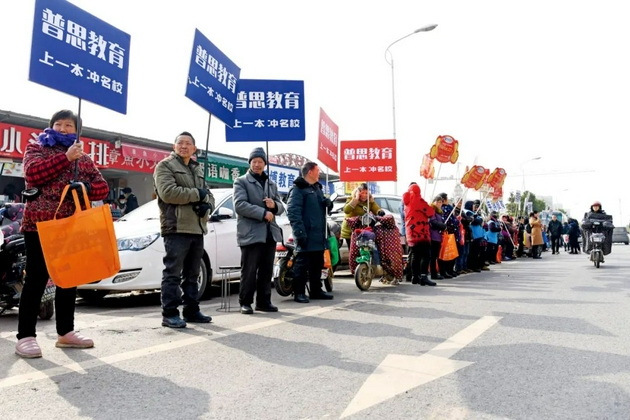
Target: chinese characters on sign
(368,160)
(283,177)
(224,172)
(328,142)
(268,110)
(79,54)
(212,78)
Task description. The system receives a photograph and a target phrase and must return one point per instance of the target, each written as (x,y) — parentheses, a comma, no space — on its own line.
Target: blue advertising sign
(283,176)
(212,79)
(268,110)
(79,54)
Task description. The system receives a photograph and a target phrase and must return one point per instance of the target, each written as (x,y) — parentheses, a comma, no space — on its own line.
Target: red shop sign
(368,160)
(15,138)
(136,158)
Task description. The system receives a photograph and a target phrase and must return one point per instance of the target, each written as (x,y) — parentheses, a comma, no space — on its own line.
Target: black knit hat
(258,152)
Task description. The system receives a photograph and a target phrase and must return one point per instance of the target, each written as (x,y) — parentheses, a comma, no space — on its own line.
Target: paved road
(547,339)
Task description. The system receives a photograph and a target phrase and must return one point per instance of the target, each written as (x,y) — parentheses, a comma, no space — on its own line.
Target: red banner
(328,149)
(14,139)
(368,160)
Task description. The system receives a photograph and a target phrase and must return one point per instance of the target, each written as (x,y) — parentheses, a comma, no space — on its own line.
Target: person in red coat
(417,214)
(49,166)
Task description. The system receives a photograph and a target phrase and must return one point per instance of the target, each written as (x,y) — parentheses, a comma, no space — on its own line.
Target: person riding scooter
(596,220)
(354,206)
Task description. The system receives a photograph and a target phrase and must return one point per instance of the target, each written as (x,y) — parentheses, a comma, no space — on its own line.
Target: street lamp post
(389,58)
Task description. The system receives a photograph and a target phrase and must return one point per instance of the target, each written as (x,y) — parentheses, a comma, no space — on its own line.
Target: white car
(141,249)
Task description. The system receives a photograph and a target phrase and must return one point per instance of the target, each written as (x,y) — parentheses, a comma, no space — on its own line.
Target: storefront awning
(141,152)
(223,169)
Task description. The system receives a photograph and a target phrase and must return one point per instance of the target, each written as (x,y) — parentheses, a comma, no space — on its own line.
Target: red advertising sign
(368,160)
(14,139)
(496,178)
(328,149)
(474,177)
(445,149)
(497,194)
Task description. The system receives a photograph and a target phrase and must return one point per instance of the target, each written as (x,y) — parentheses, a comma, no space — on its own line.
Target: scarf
(51,138)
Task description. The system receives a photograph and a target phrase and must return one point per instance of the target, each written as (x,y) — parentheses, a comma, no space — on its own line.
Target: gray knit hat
(258,152)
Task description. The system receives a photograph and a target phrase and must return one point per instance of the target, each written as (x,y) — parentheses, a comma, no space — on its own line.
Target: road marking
(82,367)
(82,323)
(399,373)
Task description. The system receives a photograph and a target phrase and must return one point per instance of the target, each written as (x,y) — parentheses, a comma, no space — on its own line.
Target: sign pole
(205,166)
(268,171)
(435,181)
(327,180)
(76,162)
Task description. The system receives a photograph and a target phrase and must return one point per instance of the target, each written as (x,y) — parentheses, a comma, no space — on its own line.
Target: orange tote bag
(82,248)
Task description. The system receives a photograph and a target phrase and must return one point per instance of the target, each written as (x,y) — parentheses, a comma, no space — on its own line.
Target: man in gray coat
(256,202)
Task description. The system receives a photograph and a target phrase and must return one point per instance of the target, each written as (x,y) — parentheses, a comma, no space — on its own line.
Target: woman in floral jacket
(49,166)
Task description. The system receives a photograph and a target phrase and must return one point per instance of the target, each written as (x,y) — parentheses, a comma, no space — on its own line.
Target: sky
(511,81)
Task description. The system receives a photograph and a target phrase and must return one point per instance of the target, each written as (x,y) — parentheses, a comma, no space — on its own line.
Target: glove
(381,213)
(202,209)
(203,193)
(77,186)
(328,204)
(302,242)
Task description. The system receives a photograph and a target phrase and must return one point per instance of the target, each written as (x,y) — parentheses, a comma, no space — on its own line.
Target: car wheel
(627,243)
(92,295)
(202,280)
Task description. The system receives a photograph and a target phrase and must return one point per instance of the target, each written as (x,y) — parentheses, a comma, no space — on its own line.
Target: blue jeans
(376,257)
(462,260)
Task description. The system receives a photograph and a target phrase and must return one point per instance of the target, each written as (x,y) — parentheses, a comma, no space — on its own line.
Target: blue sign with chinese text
(268,110)
(212,79)
(77,53)
(283,176)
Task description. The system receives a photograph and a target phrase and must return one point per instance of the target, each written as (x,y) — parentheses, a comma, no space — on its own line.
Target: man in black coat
(554,230)
(306,209)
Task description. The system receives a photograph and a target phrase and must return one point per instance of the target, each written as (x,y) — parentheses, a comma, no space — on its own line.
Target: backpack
(528,228)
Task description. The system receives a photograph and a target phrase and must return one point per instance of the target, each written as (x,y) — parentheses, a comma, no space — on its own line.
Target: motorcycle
(283,270)
(597,239)
(367,264)
(285,259)
(13,263)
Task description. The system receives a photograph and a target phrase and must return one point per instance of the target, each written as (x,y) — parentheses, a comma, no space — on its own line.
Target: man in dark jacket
(256,202)
(306,209)
(554,230)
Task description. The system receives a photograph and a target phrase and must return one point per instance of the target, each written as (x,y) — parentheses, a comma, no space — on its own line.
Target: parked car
(620,235)
(141,249)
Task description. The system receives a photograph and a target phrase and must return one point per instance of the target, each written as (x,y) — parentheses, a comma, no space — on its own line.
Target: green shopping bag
(334,250)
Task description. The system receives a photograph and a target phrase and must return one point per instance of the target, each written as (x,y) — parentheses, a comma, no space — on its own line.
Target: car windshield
(151,211)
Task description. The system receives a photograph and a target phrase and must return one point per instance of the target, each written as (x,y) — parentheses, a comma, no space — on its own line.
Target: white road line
(134,354)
